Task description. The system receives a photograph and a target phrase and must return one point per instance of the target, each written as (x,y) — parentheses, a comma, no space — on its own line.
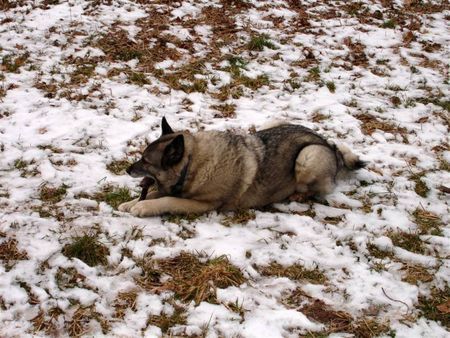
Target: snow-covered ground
(83,87)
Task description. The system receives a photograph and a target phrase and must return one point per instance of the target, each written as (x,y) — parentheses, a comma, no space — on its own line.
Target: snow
(53,139)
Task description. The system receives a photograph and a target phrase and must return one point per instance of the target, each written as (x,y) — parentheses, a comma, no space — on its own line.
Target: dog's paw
(126,207)
(141,209)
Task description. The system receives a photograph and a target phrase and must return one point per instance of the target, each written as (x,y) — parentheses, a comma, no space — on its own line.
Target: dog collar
(177,188)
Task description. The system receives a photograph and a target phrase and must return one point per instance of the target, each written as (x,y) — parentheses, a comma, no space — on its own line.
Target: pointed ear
(166,129)
(173,153)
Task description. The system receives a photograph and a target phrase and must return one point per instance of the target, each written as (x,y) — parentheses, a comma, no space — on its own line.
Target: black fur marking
(173,153)
(146,183)
(177,188)
(165,127)
(359,165)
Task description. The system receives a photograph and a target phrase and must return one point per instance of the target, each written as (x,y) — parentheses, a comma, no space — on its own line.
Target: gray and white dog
(222,170)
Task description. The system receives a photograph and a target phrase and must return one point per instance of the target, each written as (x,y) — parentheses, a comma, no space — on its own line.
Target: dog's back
(224,166)
(296,159)
(275,178)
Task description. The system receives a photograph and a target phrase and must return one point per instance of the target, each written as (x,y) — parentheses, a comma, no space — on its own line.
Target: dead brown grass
(78,324)
(295,272)
(428,222)
(123,302)
(374,251)
(118,47)
(357,55)
(186,77)
(436,306)
(239,217)
(371,124)
(10,252)
(414,274)
(52,194)
(191,278)
(224,110)
(13,63)
(118,167)
(68,278)
(407,240)
(223,26)
(420,187)
(335,320)
(47,322)
(165,321)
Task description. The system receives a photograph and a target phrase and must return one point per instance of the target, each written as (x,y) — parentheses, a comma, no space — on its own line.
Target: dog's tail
(350,160)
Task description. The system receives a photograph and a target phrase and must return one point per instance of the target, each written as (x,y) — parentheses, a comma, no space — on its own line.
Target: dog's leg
(171,205)
(126,207)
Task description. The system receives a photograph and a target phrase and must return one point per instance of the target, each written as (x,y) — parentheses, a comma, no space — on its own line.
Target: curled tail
(349,159)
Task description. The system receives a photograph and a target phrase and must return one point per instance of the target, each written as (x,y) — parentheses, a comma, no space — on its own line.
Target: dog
(195,173)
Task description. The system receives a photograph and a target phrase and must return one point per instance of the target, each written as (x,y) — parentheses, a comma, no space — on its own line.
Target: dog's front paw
(141,209)
(126,207)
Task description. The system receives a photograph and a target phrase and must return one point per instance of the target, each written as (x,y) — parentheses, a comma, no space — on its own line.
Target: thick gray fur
(215,170)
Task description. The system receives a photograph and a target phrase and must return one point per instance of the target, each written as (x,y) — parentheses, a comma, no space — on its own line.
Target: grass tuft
(20,164)
(428,223)
(68,278)
(79,324)
(82,73)
(190,277)
(239,217)
(416,273)
(376,252)
(408,241)
(112,195)
(225,110)
(12,64)
(389,24)
(420,188)
(370,124)
(52,194)
(178,219)
(165,321)
(124,301)
(87,249)
(313,74)
(10,252)
(296,272)
(236,65)
(258,42)
(437,306)
(118,167)
(47,322)
(138,78)
(331,86)
(335,320)
(253,83)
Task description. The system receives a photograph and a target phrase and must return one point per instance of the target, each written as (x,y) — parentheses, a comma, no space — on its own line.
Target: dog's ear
(173,153)
(166,129)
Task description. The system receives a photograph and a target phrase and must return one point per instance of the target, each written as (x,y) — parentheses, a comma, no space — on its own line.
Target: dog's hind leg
(315,170)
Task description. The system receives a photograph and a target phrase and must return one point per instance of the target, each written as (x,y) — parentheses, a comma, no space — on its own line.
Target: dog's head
(163,160)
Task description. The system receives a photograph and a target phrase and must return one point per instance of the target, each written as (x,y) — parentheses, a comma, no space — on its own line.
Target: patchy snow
(72,104)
